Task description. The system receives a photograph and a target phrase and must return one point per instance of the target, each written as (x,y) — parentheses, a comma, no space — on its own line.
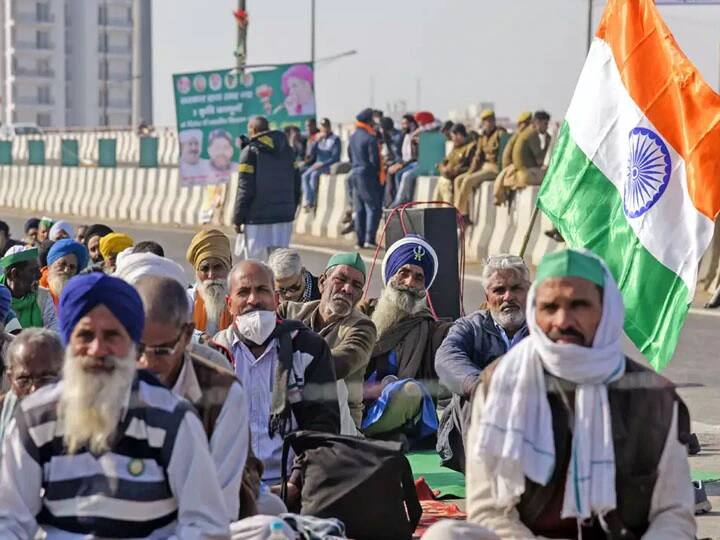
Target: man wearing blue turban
(66,259)
(400,381)
(103,421)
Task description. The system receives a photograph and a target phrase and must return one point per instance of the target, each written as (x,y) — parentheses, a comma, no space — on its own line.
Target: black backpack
(366,484)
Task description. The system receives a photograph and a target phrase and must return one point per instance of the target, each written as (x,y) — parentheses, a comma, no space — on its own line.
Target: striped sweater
(134,490)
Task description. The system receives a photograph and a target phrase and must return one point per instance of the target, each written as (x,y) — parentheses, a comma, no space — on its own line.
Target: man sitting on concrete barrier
(33,306)
(456,163)
(292,281)
(196,373)
(65,260)
(268,192)
(111,245)
(484,166)
(529,152)
(501,187)
(209,255)
(569,438)
(474,342)
(403,186)
(401,384)
(350,334)
(327,153)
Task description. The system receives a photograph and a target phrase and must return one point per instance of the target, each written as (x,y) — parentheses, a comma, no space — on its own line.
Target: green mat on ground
(705,476)
(452,484)
(427,464)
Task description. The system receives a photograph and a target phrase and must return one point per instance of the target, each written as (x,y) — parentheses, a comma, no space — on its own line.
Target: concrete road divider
(147,195)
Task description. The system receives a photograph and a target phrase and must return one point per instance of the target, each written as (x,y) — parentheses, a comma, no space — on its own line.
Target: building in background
(69,63)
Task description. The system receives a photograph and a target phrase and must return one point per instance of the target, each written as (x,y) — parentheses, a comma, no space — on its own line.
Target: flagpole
(533,217)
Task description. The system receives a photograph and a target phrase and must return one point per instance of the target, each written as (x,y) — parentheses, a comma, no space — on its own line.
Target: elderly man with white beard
(210,256)
(108,451)
(66,259)
(475,341)
(350,334)
(400,381)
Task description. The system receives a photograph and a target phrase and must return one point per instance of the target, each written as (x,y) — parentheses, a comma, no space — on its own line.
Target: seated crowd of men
(136,404)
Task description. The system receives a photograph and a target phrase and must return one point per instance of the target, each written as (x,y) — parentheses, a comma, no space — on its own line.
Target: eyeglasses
(292,289)
(26,382)
(163,350)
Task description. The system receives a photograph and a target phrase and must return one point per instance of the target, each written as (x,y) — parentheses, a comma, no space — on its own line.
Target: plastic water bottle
(277,530)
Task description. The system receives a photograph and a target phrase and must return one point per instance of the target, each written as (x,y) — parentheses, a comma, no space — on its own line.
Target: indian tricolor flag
(635,175)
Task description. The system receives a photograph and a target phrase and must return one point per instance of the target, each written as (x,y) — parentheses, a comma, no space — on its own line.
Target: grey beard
(57,282)
(394,305)
(509,319)
(213,292)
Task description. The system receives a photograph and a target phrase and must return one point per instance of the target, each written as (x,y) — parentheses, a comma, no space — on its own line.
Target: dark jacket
(471,344)
(314,375)
(365,157)
(269,184)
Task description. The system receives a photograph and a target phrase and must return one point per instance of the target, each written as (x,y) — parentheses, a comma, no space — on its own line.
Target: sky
(436,55)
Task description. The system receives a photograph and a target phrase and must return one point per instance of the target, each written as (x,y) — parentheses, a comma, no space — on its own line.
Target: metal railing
(24,72)
(34,18)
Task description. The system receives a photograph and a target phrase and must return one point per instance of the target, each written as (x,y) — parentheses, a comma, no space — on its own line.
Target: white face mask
(256,326)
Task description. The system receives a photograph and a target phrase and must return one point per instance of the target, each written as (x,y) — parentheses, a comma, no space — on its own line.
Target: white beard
(394,305)
(509,319)
(57,282)
(213,293)
(91,403)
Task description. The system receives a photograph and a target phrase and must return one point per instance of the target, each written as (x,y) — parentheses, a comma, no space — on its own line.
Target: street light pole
(312,32)
(241,50)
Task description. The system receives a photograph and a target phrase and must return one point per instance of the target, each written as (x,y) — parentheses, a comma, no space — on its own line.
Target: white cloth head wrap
(61,225)
(133,266)
(515,437)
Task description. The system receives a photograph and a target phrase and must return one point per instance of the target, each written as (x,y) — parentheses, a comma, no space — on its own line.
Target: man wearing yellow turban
(112,244)
(210,256)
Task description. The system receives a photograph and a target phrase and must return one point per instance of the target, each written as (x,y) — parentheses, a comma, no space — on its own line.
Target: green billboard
(213,108)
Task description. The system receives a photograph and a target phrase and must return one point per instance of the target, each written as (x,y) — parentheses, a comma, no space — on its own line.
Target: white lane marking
(701,427)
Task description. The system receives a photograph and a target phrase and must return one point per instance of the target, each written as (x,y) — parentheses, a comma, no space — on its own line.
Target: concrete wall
(154,196)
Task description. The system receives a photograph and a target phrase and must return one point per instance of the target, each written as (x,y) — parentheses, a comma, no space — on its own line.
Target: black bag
(366,484)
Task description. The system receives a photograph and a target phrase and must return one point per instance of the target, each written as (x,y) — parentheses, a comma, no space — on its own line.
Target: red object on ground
(434,511)
(424,492)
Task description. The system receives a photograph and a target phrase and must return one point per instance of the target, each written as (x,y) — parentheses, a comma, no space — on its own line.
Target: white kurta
(258,240)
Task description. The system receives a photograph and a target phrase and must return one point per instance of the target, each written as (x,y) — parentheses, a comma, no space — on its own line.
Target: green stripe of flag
(587,210)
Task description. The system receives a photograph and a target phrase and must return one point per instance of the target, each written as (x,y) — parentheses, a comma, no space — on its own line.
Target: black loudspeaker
(438,225)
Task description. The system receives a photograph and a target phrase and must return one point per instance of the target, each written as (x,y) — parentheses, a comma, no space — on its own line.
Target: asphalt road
(695,368)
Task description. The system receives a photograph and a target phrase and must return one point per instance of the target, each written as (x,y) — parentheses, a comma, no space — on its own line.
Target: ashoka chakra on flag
(648,171)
